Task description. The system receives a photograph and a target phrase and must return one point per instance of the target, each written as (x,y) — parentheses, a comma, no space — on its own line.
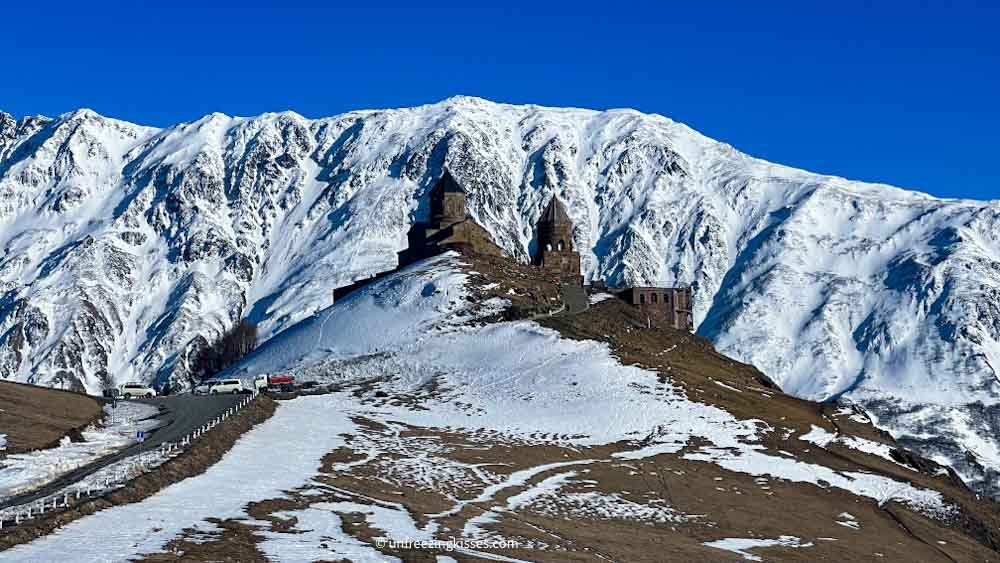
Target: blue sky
(904,93)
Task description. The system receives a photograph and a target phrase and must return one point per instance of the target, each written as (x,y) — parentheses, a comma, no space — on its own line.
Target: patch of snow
(818,436)
(473,526)
(847,520)
(740,546)
(394,521)
(725,386)
(823,438)
(547,497)
(853,412)
(651,451)
(598,297)
(317,535)
(747,459)
(879,449)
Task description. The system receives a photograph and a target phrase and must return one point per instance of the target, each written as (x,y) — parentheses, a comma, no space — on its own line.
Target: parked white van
(135,390)
(224,386)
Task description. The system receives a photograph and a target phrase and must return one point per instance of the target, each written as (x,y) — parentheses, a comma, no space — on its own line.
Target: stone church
(449,228)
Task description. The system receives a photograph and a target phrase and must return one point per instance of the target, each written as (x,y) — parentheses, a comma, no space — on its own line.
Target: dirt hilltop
(38,417)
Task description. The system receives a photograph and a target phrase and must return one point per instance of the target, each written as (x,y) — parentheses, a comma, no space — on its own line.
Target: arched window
(561,245)
(548,247)
(653,297)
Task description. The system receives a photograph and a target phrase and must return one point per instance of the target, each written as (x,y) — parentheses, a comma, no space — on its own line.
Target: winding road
(181,414)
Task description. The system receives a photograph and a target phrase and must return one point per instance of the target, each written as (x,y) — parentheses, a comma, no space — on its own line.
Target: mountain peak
(81,115)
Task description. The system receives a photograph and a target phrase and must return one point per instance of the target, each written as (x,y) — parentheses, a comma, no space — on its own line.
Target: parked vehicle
(203,388)
(136,390)
(284,383)
(112,393)
(224,386)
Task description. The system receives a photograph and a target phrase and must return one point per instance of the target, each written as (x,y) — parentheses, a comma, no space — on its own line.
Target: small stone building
(449,228)
(669,306)
(555,254)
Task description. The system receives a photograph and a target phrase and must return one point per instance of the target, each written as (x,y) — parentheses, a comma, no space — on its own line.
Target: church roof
(448,184)
(554,212)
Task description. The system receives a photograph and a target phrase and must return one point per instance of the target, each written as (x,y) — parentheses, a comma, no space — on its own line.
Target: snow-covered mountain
(124,248)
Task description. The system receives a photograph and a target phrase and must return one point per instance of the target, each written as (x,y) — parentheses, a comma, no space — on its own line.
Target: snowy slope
(552,391)
(412,331)
(123,248)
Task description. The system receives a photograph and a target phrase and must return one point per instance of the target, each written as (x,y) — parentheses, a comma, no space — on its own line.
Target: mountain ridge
(459,98)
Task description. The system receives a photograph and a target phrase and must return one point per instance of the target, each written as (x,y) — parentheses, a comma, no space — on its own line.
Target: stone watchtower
(555,254)
(447,200)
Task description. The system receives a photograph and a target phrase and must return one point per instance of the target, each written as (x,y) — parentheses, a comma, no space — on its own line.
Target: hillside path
(575,298)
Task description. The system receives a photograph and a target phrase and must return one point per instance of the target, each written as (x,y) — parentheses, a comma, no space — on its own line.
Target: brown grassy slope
(38,417)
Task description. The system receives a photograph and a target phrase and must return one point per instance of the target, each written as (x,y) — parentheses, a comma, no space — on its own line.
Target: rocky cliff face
(123,249)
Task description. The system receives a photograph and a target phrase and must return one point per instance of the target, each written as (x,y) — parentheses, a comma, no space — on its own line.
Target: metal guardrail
(119,475)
